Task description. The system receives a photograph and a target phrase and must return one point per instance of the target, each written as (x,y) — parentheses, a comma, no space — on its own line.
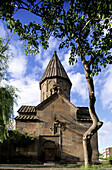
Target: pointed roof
(55,69)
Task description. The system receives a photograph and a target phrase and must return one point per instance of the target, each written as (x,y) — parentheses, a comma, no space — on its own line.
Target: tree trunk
(96,123)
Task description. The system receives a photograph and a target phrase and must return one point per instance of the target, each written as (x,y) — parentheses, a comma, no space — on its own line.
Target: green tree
(7,93)
(80,26)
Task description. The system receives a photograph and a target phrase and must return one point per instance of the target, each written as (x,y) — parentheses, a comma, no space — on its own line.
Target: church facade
(56,124)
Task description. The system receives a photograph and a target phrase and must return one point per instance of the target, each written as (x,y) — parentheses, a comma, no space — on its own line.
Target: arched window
(50,91)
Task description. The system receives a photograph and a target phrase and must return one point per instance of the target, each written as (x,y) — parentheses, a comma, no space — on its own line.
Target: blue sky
(26,72)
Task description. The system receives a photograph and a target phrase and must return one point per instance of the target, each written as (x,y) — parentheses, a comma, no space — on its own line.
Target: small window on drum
(55,89)
(50,91)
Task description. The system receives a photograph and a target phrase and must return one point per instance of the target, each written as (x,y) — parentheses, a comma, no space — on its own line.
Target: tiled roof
(26,117)
(55,69)
(27,109)
(83,114)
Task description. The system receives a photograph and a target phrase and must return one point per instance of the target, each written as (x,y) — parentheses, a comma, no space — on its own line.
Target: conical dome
(54,70)
(55,77)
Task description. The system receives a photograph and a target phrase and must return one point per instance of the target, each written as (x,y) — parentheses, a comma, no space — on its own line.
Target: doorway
(49,154)
(49,151)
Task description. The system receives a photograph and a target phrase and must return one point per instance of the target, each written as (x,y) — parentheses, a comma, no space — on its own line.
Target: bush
(110,157)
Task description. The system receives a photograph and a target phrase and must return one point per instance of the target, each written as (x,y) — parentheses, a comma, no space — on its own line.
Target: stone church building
(56,124)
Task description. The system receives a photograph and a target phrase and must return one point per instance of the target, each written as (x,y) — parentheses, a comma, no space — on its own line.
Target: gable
(53,97)
(60,105)
(46,102)
(56,107)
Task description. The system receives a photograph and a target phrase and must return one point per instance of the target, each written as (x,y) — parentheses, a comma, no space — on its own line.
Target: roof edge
(26,106)
(68,80)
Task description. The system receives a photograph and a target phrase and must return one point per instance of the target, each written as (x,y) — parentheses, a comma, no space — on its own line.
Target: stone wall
(47,88)
(67,134)
(14,152)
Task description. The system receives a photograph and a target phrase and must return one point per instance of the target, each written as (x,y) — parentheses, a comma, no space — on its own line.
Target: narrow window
(43,95)
(50,91)
(55,128)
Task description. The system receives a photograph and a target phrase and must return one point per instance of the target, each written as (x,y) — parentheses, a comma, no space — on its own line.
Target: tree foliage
(21,139)
(3,60)
(7,93)
(79,24)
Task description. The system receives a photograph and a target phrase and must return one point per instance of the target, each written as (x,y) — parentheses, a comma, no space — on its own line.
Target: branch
(76,39)
(26,8)
(94,56)
(38,3)
(103,19)
(9,39)
(20,1)
(85,25)
(31,11)
(15,11)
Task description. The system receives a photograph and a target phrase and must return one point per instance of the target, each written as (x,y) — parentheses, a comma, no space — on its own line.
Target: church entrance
(49,151)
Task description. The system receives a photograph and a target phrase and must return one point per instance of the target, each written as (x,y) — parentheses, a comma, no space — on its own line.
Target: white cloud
(44,56)
(17,67)
(105,32)
(105,135)
(2,30)
(66,64)
(73,101)
(28,86)
(54,43)
(106,90)
(17,63)
(79,85)
(44,63)
(35,72)
(53,46)
(21,78)
(28,92)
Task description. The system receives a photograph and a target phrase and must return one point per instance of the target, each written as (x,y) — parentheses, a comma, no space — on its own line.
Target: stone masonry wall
(47,88)
(69,130)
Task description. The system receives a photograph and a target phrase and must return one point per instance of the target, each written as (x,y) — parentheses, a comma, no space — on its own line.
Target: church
(56,124)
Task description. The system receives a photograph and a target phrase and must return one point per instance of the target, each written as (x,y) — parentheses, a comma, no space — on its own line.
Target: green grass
(104,164)
(52,166)
(67,166)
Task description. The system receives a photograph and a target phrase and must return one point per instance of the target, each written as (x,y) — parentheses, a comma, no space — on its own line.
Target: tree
(80,25)
(7,93)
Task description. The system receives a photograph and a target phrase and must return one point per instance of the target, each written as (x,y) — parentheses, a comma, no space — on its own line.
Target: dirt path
(35,167)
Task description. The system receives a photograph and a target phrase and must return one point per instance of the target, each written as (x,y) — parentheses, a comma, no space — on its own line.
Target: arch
(49,144)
